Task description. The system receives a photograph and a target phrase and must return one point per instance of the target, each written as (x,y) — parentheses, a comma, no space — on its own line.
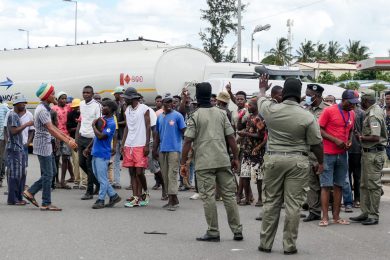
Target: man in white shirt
(3,111)
(135,146)
(90,110)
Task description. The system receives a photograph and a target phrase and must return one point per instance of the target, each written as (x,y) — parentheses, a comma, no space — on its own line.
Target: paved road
(118,233)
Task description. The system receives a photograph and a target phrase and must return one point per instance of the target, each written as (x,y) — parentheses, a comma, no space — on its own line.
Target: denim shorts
(335,170)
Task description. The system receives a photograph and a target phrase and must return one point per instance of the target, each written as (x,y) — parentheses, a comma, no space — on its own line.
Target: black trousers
(355,171)
(86,163)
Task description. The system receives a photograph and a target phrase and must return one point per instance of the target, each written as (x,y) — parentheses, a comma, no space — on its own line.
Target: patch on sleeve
(374,124)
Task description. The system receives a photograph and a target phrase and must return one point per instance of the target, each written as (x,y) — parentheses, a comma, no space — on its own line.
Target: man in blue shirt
(104,129)
(170,128)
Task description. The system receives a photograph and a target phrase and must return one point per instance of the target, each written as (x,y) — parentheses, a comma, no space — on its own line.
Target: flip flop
(50,208)
(323,223)
(30,199)
(341,221)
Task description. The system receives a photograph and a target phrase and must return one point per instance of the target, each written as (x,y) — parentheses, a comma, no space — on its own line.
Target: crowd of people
(301,152)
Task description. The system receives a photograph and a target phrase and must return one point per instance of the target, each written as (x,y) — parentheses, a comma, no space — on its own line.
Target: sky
(178,22)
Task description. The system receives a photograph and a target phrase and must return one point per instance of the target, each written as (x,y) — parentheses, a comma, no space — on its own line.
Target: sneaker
(130,198)
(133,203)
(348,209)
(113,200)
(195,196)
(99,204)
(144,199)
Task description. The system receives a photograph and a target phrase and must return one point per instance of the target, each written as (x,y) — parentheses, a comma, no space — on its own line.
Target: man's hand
(94,122)
(155,154)
(235,164)
(242,133)
(29,123)
(86,152)
(122,150)
(72,144)
(263,82)
(184,171)
(229,87)
(348,145)
(319,168)
(340,144)
(146,150)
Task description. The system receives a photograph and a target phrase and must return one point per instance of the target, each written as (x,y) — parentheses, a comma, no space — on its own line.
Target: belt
(288,153)
(374,149)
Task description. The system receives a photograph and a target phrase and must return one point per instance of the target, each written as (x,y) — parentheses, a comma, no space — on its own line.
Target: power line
(287,11)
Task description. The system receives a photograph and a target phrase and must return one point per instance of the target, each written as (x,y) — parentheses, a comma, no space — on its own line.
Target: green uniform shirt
(374,124)
(316,111)
(208,128)
(290,127)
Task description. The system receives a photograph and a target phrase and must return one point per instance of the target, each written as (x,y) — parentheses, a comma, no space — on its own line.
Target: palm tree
(306,52)
(320,53)
(281,52)
(334,52)
(356,51)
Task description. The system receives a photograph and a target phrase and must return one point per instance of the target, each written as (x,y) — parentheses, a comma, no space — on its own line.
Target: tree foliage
(326,77)
(355,51)
(378,88)
(306,52)
(345,76)
(281,52)
(334,52)
(220,14)
(352,85)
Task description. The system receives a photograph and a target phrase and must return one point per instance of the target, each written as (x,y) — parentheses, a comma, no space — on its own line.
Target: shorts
(251,169)
(134,157)
(65,150)
(335,170)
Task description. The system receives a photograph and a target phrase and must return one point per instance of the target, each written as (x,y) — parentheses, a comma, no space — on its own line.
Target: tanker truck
(152,67)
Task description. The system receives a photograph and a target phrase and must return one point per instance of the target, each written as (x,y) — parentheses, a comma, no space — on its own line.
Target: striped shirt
(42,139)
(3,112)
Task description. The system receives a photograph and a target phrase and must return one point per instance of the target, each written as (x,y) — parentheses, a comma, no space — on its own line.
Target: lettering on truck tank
(126,78)
(7,97)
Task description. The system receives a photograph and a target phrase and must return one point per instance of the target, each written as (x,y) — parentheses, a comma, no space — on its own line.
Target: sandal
(30,199)
(50,208)
(323,223)
(341,221)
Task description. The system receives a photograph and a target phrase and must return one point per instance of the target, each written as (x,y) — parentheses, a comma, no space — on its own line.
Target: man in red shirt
(336,124)
(62,110)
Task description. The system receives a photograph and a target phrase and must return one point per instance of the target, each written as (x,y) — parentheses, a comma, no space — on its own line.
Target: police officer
(207,129)
(314,104)
(373,139)
(291,132)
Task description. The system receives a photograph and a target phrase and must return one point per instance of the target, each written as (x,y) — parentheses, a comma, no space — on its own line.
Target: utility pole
(258,53)
(239,32)
(290,23)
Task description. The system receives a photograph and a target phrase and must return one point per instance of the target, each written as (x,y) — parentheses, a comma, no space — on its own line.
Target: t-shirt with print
(62,117)
(337,123)
(169,127)
(15,142)
(42,139)
(102,147)
(135,120)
